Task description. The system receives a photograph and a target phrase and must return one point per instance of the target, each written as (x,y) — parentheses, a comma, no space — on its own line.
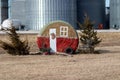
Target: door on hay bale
(52,33)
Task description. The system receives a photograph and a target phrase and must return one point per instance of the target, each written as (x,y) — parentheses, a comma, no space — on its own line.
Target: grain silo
(3,10)
(41,12)
(114,14)
(17,10)
(95,9)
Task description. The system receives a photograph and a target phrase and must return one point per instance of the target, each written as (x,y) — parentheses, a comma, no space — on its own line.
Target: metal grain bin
(41,12)
(3,10)
(17,10)
(95,9)
(114,14)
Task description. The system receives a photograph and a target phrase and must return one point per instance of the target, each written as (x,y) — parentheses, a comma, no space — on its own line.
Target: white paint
(63,31)
(11,22)
(53,41)
(7,23)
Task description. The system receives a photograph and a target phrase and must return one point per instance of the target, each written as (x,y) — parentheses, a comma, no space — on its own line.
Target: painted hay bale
(58,36)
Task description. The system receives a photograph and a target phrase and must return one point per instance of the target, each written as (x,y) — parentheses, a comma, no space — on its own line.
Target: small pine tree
(89,37)
(16,46)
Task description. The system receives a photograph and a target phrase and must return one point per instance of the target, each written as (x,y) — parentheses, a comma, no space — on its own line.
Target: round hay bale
(57,24)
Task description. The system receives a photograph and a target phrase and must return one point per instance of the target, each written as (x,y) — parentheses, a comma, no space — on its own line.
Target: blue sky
(107,2)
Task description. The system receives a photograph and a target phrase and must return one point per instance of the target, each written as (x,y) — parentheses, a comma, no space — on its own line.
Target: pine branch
(16,46)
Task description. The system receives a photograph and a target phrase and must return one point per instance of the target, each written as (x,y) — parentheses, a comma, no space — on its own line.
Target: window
(63,31)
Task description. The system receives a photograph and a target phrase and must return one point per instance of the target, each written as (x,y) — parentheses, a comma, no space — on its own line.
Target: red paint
(62,43)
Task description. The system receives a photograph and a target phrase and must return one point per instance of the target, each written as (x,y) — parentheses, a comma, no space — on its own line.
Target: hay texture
(56,25)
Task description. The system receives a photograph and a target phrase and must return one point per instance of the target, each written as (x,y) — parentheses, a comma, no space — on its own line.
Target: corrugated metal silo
(41,12)
(3,10)
(17,10)
(95,9)
(114,13)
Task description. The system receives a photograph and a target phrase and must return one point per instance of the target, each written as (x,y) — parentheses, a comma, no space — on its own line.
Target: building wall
(17,10)
(0,12)
(3,10)
(41,12)
(95,9)
(34,14)
(107,19)
(114,13)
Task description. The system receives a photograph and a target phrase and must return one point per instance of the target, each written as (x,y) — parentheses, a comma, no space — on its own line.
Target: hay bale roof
(56,24)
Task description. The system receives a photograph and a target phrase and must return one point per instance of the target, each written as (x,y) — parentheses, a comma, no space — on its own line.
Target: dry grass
(104,66)
(110,39)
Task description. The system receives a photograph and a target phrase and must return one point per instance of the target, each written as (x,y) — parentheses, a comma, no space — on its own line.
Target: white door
(52,33)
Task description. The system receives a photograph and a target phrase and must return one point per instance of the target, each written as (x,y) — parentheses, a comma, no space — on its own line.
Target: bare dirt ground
(104,66)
